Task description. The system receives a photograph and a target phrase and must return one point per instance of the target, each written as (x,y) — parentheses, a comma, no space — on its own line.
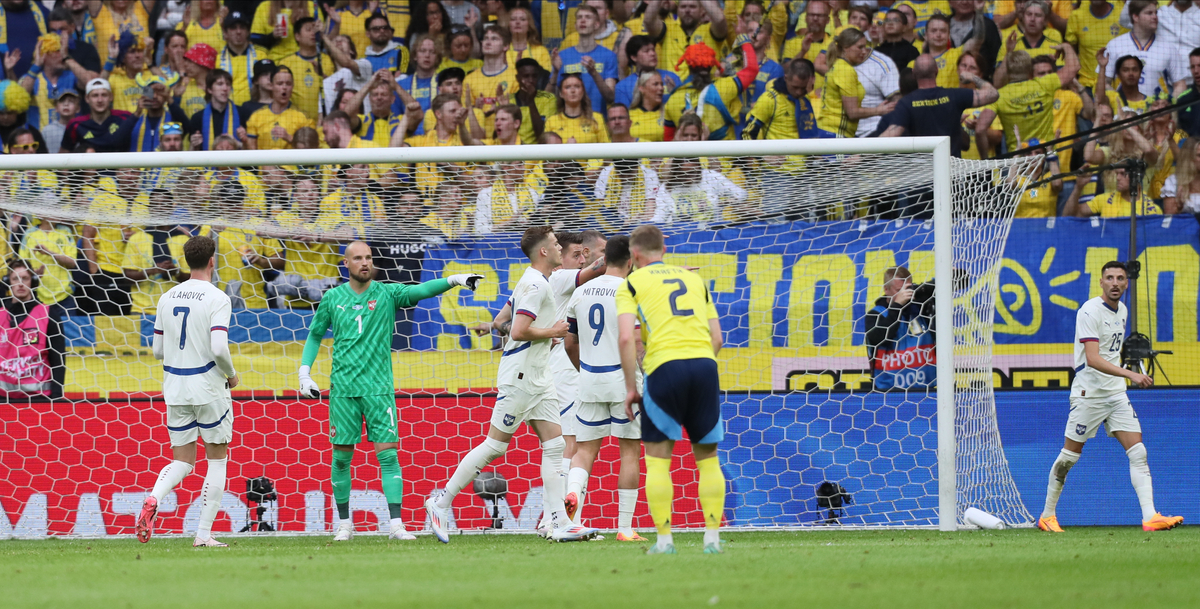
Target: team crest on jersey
(1080,429)
(509,420)
(333,431)
(371,305)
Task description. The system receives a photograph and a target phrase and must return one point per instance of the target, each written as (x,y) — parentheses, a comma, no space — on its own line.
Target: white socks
(214,488)
(552,480)
(169,478)
(577,481)
(1139,474)
(662,541)
(1058,477)
(626,504)
(471,465)
(712,536)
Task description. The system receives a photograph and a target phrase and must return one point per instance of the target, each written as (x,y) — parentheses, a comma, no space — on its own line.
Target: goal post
(793,237)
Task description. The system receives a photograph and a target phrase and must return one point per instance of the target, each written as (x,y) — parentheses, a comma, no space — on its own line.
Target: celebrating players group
(578,342)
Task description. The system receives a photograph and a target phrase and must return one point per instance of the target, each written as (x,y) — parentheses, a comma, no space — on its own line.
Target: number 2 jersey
(1097,322)
(187,316)
(525,364)
(674,306)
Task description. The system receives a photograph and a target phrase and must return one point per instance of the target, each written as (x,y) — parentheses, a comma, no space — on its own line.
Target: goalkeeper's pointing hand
(467,280)
(308,388)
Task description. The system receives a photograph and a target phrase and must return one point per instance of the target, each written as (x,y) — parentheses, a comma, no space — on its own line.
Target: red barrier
(85,460)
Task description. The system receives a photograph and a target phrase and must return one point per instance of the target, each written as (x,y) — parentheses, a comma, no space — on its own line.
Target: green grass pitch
(1086,567)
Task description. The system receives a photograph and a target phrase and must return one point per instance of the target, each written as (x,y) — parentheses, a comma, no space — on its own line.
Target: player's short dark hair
(301,22)
(1137,6)
(1122,59)
(512,110)
(589,236)
(529,62)
(566,238)
(374,17)
(534,237)
(198,251)
(441,100)
(338,115)
(1195,52)
(616,251)
(647,238)
(1114,264)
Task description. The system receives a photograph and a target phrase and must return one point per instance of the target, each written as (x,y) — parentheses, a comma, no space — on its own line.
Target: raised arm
(1070,68)
(718,26)
(985,93)
(652,20)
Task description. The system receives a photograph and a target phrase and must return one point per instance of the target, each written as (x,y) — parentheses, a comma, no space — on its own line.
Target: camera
(260,490)
(833,497)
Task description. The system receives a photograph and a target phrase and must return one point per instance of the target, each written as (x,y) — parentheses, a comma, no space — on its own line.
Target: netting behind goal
(794,249)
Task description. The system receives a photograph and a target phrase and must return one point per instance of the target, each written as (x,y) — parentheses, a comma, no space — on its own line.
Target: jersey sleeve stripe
(221,328)
(1089,340)
(157,331)
(1080,368)
(572,325)
(578,276)
(529,314)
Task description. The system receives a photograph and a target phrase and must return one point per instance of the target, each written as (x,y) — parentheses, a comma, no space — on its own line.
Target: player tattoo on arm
(505,328)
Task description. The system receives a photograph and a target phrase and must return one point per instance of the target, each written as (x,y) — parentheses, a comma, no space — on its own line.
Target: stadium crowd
(997,76)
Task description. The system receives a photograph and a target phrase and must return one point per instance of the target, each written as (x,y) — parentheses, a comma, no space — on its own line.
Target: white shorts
(1087,414)
(598,420)
(515,406)
(566,383)
(212,421)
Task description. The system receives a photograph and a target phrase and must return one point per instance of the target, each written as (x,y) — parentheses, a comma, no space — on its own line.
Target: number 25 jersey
(1097,322)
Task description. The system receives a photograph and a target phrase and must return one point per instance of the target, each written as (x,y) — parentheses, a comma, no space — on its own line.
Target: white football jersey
(592,315)
(1097,322)
(525,364)
(187,315)
(1164,62)
(562,284)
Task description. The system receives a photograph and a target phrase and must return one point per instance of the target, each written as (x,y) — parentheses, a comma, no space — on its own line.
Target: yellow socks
(712,491)
(660,492)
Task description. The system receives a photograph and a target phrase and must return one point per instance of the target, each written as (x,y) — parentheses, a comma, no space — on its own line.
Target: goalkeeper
(362,314)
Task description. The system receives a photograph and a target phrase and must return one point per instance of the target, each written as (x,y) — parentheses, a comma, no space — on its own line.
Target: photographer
(900,334)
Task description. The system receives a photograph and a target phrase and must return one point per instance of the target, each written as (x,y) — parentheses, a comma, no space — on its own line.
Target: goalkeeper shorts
(683,394)
(212,421)
(346,416)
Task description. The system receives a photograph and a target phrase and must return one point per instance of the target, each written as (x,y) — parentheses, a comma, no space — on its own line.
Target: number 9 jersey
(673,306)
(1097,322)
(187,316)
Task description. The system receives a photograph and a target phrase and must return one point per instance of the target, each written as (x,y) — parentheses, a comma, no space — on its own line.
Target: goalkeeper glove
(467,280)
(308,388)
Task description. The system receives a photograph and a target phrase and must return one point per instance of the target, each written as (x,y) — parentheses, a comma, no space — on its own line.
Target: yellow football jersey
(139,255)
(673,306)
(125,91)
(538,52)
(947,64)
(263,122)
(232,244)
(547,105)
(308,259)
(1089,34)
(350,208)
(263,25)
(211,35)
(792,47)
(309,78)
(1028,105)
(355,26)
(675,41)
(490,88)
(1067,106)
(841,81)
(1113,205)
(55,283)
(924,9)
(1039,201)
(646,126)
(583,132)
(109,241)
(1116,101)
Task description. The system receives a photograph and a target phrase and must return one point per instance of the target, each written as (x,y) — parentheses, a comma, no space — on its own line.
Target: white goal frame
(939,147)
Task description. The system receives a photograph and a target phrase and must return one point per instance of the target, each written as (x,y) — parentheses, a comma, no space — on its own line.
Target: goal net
(832,415)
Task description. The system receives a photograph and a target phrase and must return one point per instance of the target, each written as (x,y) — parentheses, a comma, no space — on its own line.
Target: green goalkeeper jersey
(362,334)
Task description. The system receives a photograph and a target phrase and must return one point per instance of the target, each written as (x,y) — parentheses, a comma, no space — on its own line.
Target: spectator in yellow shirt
(575,122)
(272,127)
(526,41)
(937,44)
(841,106)
(646,113)
(51,253)
(1116,204)
(1127,93)
(675,35)
(202,24)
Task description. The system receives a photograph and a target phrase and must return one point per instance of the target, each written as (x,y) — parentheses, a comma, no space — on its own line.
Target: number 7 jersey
(1099,323)
(187,316)
(674,306)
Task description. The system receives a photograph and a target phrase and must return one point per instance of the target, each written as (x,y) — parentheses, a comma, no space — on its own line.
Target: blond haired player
(191,337)
(1098,397)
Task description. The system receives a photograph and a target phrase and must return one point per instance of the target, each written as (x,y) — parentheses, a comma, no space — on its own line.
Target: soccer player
(601,409)
(1098,396)
(191,337)
(526,392)
(682,387)
(362,314)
